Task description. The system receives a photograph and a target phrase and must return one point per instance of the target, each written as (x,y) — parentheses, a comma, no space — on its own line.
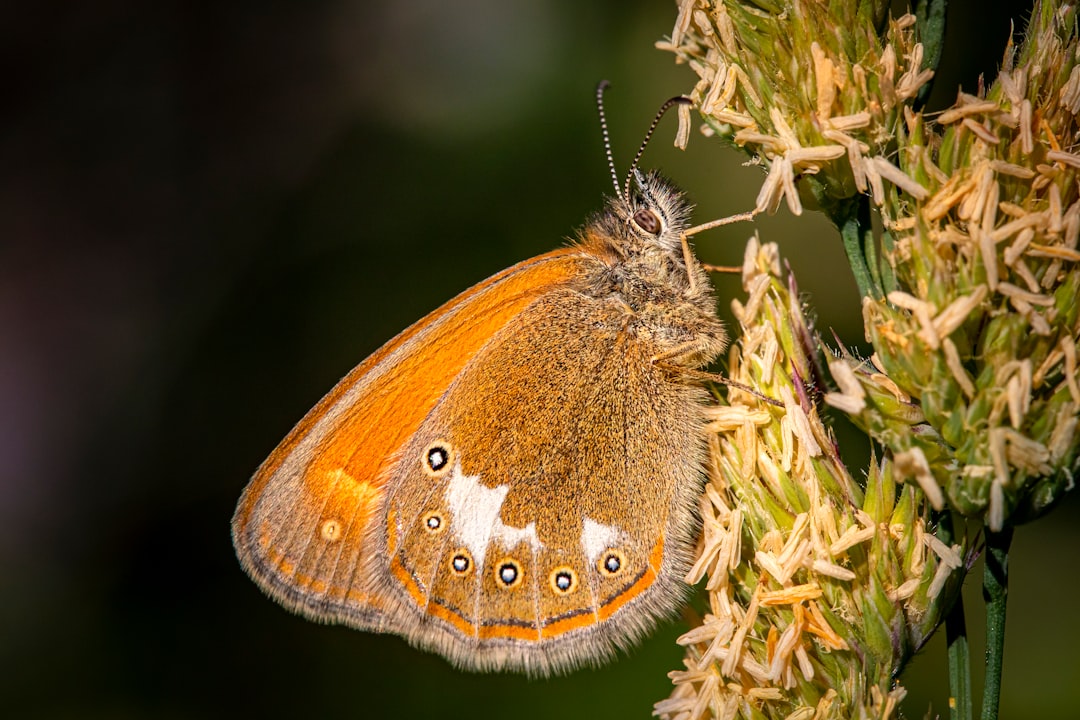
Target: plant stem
(959,652)
(931,18)
(857,233)
(995,594)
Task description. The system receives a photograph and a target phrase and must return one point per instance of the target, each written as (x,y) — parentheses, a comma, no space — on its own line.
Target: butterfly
(510,482)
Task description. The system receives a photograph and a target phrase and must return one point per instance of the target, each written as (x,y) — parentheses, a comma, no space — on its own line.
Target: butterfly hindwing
(540,478)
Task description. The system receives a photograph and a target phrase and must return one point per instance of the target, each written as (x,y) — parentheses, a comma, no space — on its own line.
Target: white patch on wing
(509,536)
(597,537)
(476,522)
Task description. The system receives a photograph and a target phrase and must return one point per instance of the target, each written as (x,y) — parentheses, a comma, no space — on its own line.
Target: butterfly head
(654,210)
(647,222)
(647,214)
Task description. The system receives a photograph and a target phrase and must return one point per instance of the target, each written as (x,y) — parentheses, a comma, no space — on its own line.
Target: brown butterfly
(510,482)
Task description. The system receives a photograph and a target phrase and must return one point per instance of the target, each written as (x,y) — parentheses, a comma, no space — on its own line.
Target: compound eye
(648,221)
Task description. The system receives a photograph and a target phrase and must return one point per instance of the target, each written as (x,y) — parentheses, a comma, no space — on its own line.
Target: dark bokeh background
(211,212)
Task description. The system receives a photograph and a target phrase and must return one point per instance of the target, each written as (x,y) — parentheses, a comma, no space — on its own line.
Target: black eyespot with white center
(433,522)
(647,221)
(460,563)
(438,458)
(563,580)
(509,573)
(612,563)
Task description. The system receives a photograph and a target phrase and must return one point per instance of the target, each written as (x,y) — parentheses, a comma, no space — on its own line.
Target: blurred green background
(212,211)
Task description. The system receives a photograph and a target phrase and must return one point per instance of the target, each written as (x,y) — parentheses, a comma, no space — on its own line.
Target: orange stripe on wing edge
(422,600)
(336,592)
(516,632)
(647,579)
(567,624)
(411,586)
(435,609)
(612,605)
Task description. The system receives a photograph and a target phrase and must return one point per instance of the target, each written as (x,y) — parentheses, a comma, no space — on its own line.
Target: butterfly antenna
(604,84)
(677,100)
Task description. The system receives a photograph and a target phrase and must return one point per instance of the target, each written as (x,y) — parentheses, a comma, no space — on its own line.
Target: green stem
(857,233)
(995,593)
(930,15)
(960,706)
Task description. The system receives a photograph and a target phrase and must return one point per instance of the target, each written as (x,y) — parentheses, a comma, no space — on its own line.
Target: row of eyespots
(562,580)
(613,561)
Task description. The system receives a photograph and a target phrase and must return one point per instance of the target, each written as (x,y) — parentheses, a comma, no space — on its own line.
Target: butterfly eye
(612,563)
(563,580)
(437,458)
(648,221)
(509,573)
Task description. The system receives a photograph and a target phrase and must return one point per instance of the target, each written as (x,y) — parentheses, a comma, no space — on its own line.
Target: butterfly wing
(306,526)
(550,489)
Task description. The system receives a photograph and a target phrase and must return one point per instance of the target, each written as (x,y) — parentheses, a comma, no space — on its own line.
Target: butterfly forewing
(306,525)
